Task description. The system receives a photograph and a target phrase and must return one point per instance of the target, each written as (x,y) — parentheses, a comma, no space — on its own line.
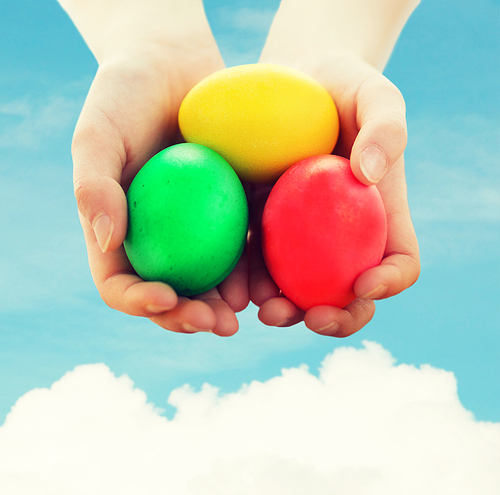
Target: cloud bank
(364,425)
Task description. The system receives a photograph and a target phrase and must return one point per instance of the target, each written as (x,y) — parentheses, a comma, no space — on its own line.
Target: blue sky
(447,65)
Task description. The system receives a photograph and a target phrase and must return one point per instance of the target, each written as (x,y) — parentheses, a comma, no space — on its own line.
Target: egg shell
(321,228)
(261,118)
(188,219)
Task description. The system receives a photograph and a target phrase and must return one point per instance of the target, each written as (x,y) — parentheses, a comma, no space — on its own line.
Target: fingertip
(103,204)
(395,274)
(189,317)
(382,136)
(141,298)
(262,287)
(196,313)
(103,228)
(280,312)
(159,297)
(237,300)
(323,320)
(234,290)
(340,322)
(227,323)
(372,284)
(373,165)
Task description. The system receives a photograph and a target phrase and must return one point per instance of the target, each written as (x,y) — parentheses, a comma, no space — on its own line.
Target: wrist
(116,28)
(367,29)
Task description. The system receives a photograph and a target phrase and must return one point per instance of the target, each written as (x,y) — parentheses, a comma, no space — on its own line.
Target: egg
(261,118)
(187,219)
(321,228)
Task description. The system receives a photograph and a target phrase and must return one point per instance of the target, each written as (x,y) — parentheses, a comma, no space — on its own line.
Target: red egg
(321,229)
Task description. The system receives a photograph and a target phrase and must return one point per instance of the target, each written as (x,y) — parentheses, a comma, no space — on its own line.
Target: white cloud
(26,122)
(454,187)
(363,426)
(16,107)
(453,168)
(44,258)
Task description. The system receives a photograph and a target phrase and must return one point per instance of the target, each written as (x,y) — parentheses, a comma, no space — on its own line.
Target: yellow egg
(262,118)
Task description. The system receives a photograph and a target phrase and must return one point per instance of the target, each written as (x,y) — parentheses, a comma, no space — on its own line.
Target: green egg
(188,219)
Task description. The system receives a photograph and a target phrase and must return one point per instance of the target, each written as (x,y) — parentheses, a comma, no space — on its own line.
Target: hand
(373,135)
(129,115)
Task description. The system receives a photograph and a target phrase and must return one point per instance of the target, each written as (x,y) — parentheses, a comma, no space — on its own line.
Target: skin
(131,113)
(372,116)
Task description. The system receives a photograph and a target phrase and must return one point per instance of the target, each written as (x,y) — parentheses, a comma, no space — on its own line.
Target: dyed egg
(261,118)
(188,219)
(321,228)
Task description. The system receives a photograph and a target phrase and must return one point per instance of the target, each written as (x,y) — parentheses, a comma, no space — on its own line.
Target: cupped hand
(129,115)
(373,136)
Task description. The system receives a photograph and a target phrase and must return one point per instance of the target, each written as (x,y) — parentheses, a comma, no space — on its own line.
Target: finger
(234,289)
(382,136)
(188,316)
(336,322)
(226,323)
(280,312)
(124,122)
(98,161)
(119,285)
(400,267)
(395,274)
(121,289)
(102,202)
(261,285)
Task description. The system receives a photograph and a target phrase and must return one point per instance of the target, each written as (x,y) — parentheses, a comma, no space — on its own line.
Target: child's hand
(129,115)
(373,136)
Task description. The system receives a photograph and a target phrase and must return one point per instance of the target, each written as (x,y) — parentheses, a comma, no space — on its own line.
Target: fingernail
(331,328)
(283,323)
(154,308)
(373,163)
(376,292)
(103,229)
(191,329)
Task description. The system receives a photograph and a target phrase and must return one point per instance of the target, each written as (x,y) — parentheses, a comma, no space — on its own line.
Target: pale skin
(131,113)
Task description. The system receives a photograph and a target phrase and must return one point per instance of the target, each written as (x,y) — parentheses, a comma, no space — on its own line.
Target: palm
(130,114)
(353,91)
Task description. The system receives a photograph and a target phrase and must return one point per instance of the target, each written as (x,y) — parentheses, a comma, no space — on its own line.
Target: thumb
(102,203)
(382,136)
(97,167)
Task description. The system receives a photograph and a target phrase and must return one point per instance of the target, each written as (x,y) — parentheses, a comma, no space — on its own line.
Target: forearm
(116,27)
(367,29)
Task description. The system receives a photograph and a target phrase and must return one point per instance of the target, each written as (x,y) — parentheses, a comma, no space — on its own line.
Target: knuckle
(416,270)
(399,131)
(411,271)
(80,188)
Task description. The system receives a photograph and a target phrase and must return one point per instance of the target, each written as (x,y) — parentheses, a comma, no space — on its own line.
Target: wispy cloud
(454,186)
(44,258)
(16,108)
(27,123)
(453,168)
(364,425)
